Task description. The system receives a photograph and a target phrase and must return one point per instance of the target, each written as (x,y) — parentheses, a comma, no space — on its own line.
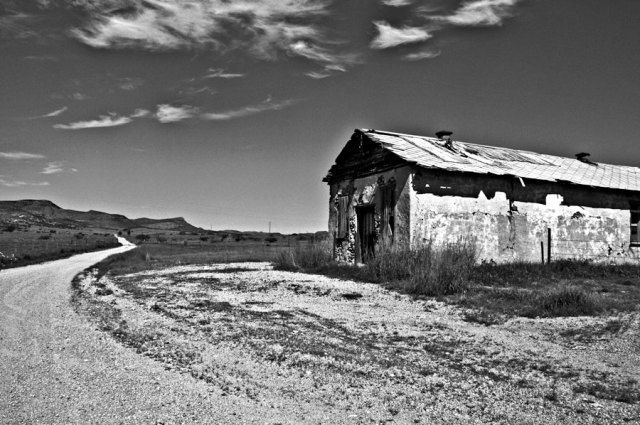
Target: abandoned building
(392,189)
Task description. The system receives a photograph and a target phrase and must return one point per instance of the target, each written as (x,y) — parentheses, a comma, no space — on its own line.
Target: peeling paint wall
(363,191)
(508,219)
(505,217)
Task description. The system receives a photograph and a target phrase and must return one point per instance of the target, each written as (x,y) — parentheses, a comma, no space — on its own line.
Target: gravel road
(56,369)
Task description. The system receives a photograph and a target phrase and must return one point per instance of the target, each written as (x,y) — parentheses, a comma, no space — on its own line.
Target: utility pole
(269,227)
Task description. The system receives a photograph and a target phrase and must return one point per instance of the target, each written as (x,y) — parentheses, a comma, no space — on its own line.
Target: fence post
(542,251)
(549,245)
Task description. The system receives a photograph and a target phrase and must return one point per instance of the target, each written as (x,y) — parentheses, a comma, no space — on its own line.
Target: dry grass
(157,256)
(24,247)
(491,293)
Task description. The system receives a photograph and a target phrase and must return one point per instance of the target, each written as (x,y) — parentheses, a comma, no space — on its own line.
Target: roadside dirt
(297,348)
(55,368)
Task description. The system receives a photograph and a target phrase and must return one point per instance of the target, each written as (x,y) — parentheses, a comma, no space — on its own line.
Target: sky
(230,113)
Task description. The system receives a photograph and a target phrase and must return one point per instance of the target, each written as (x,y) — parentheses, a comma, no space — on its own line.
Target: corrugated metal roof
(466,157)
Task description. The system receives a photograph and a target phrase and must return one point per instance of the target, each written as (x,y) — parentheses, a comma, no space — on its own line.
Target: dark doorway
(366,232)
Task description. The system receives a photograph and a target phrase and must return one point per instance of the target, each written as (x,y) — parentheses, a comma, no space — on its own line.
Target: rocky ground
(313,349)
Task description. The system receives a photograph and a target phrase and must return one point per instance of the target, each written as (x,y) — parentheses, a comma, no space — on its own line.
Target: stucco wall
(508,218)
(365,191)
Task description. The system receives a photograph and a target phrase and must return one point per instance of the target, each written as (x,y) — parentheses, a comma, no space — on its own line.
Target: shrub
(309,257)
(566,300)
(427,269)
(142,238)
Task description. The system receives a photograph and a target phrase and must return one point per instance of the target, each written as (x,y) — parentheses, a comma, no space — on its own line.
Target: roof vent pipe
(583,156)
(446,136)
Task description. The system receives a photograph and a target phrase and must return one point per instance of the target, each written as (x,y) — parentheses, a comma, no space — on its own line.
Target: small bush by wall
(427,269)
(306,257)
(566,300)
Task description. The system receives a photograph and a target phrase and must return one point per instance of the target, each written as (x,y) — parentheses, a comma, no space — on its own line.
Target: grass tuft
(308,257)
(427,269)
(566,300)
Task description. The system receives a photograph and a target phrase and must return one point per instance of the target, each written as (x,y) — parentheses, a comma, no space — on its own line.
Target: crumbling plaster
(363,191)
(508,218)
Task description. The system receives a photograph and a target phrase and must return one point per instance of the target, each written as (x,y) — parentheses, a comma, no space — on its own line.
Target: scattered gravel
(314,349)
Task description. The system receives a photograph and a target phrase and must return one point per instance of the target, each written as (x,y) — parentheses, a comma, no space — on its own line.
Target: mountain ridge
(44,213)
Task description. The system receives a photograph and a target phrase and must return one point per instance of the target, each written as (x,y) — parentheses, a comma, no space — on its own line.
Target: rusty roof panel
(465,157)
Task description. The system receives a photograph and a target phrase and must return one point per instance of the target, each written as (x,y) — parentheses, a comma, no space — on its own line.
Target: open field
(360,352)
(35,245)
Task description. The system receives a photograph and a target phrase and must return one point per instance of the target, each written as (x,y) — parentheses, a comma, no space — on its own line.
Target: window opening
(343,215)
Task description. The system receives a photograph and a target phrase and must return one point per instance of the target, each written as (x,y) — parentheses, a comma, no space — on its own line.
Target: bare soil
(314,349)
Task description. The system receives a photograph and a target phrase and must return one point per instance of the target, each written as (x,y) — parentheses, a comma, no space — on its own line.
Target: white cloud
(263,28)
(328,71)
(319,54)
(102,121)
(55,113)
(138,113)
(53,168)
(18,183)
(267,105)
(425,54)
(20,155)
(168,113)
(56,168)
(129,83)
(79,96)
(481,13)
(219,73)
(318,75)
(397,3)
(389,36)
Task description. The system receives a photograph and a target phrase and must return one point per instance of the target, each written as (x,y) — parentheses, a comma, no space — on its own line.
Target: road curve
(55,368)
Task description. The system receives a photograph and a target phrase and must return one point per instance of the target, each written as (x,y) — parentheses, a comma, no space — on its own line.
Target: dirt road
(290,348)
(56,369)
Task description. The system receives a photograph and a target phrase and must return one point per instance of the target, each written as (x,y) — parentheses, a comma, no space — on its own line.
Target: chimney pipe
(583,156)
(446,136)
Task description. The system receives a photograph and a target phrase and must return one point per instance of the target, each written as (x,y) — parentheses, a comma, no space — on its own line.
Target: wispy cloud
(20,155)
(57,168)
(328,71)
(130,83)
(318,75)
(16,25)
(267,105)
(18,183)
(169,113)
(427,19)
(40,58)
(220,73)
(389,36)
(139,113)
(425,54)
(53,168)
(263,28)
(55,113)
(397,3)
(103,121)
(481,13)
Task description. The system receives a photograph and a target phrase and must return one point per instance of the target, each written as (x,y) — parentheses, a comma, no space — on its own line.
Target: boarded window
(388,211)
(635,220)
(343,216)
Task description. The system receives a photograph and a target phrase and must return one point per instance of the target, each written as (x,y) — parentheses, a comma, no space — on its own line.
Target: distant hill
(42,213)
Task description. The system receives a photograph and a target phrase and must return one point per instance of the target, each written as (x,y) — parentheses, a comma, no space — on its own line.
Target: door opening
(366,232)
